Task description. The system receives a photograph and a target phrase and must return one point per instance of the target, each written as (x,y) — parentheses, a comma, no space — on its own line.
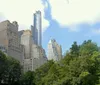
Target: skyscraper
(34,54)
(37,29)
(54,50)
(10,40)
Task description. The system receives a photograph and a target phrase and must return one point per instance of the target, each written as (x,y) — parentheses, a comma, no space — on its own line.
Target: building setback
(54,50)
(34,54)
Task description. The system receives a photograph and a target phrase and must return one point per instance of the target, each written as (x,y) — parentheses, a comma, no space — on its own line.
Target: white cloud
(22,12)
(75,11)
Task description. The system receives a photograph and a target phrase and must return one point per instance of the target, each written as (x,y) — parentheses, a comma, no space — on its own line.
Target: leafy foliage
(10,70)
(80,66)
(28,78)
(3,65)
(42,72)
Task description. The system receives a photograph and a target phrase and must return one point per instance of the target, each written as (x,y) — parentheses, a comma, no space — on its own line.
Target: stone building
(20,45)
(10,40)
(34,54)
(38,55)
(54,50)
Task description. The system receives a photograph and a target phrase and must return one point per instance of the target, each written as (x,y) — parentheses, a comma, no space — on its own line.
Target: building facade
(10,40)
(26,40)
(34,54)
(54,50)
(38,56)
(19,45)
(37,28)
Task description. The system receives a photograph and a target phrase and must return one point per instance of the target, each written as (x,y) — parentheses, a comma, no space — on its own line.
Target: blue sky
(64,36)
(66,21)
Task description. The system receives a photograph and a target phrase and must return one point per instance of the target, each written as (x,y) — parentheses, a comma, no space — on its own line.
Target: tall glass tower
(37,29)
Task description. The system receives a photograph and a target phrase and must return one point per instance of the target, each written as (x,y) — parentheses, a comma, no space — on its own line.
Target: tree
(87,48)
(28,78)
(52,77)
(74,50)
(10,70)
(3,65)
(13,72)
(42,72)
(80,66)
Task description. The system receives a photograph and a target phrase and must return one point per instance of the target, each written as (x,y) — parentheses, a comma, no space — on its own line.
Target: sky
(64,20)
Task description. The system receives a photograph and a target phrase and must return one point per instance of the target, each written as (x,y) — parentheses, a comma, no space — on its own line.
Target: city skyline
(77,20)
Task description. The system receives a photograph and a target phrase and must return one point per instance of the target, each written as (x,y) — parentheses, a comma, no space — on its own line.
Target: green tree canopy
(28,78)
(80,66)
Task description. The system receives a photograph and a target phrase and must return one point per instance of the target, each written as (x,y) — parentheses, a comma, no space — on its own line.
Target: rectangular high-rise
(54,50)
(37,28)
(10,41)
(34,54)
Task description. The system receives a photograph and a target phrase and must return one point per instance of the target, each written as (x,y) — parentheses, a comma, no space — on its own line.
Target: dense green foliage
(10,70)
(27,78)
(80,66)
